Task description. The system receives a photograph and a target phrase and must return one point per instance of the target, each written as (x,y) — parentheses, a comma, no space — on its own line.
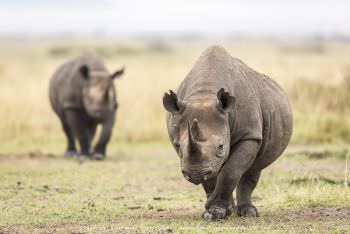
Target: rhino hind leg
(244,192)
(77,121)
(71,150)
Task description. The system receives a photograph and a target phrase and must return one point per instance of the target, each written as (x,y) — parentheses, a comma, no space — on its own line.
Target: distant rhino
(227,122)
(83,95)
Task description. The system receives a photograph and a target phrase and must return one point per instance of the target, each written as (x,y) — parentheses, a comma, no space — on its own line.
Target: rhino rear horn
(196,131)
(226,101)
(172,104)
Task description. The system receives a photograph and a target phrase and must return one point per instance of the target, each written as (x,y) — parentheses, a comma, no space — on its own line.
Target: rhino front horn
(192,144)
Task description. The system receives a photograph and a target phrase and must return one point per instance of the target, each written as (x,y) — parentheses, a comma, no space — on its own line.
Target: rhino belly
(276,136)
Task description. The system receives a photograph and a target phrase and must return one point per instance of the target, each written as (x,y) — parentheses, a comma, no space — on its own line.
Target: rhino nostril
(209,172)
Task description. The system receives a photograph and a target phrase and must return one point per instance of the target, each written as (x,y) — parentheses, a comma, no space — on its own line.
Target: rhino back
(65,89)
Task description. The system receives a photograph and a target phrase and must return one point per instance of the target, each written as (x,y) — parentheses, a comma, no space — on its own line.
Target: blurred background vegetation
(315,74)
(303,45)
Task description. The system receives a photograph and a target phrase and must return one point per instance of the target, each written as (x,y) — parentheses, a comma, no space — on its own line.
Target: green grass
(139,188)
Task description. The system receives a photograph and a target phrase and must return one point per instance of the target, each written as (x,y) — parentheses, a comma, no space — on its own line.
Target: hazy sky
(161,17)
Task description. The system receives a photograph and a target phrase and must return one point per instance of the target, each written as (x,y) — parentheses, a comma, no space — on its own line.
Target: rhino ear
(226,101)
(171,103)
(118,73)
(84,71)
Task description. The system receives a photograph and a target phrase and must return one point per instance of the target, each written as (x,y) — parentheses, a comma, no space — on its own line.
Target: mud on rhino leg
(71,149)
(77,120)
(244,192)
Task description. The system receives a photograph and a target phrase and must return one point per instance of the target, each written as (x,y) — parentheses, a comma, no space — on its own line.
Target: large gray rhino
(83,95)
(227,122)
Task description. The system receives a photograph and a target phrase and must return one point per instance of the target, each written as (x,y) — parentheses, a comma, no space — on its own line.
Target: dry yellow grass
(153,67)
(140,189)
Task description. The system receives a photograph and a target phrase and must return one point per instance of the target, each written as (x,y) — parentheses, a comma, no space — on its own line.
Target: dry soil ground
(142,190)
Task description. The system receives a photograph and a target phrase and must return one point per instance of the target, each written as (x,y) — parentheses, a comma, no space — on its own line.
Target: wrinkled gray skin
(83,95)
(227,122)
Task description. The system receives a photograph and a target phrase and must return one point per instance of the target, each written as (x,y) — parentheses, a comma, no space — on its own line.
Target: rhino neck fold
(200,94)
(201,87)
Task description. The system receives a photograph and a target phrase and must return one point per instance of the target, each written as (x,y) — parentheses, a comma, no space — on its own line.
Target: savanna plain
(139,187)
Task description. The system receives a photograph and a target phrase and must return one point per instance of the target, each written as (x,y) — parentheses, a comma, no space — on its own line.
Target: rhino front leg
(242,156)
(100,148)
(209,186)
(244,192)
(71,150)
(91,133)
(77,121)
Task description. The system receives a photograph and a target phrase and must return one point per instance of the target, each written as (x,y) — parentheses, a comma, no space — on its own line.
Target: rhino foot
(215,213)
(70,153)
(247,211)
(82,158)
(98,156)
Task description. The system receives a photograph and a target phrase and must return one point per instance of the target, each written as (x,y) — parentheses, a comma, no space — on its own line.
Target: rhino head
(203,140)
(98,92)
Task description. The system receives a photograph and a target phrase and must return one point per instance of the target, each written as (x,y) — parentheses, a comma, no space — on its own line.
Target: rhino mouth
(197,181)
(192,180)
(199,177)
(97,115)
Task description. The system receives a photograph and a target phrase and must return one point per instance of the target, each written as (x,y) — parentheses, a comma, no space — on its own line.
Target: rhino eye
(177,145)
(220,149)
